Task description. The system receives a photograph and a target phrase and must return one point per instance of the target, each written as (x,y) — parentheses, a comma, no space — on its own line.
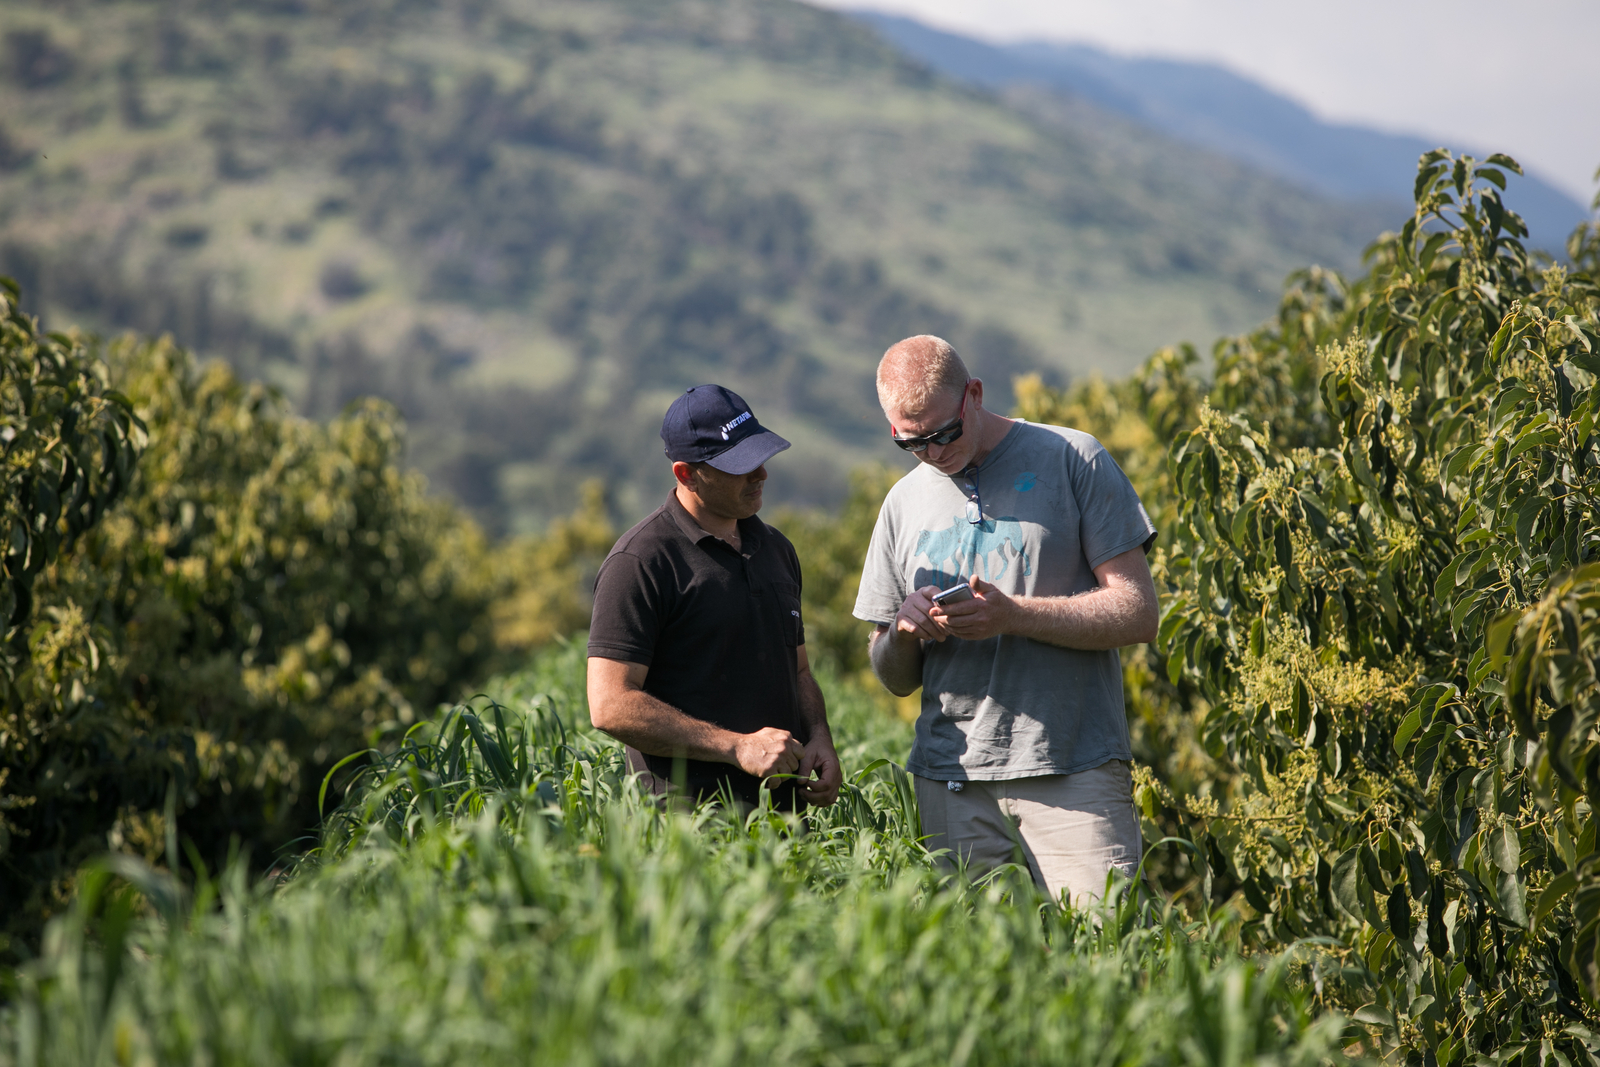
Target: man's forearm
(656,728)
(897,660)
(1108,617)
(813,708)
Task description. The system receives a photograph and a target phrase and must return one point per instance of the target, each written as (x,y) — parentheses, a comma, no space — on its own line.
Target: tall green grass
(497,887)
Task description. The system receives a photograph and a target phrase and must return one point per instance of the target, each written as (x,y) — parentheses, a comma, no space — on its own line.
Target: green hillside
(531,223)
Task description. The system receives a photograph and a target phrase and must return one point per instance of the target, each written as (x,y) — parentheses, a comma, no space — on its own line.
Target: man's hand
(918,616)
(988,614)
(768,751)
(821,759)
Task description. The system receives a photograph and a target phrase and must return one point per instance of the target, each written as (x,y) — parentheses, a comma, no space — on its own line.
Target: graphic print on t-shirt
(955,553)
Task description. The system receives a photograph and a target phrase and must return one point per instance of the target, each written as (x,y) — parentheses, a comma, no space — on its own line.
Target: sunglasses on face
(941,437)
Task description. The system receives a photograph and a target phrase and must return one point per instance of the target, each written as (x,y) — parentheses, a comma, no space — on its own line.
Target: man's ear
(976,386)
(684,473)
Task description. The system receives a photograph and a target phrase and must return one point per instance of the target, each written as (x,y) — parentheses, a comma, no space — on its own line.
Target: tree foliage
(69,444)
(212,627)
(1384,597)
(832,548)
(544,585)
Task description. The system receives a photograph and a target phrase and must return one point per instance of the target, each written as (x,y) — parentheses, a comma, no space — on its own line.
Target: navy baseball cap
(710,424)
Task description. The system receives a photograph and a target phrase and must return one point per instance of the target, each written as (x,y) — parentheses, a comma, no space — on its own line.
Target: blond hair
(915,371)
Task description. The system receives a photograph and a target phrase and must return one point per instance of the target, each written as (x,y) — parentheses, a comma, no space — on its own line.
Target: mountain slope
(532,223)
(1212,107)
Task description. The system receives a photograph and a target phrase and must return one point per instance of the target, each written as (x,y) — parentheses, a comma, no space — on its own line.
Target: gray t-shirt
(1055,506)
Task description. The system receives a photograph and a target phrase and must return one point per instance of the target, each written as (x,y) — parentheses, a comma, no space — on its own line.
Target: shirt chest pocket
(786,602)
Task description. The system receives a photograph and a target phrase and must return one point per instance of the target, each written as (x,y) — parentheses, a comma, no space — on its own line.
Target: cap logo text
(728,426)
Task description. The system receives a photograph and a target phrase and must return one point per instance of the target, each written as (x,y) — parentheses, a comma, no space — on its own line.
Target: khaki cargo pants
(1069,829)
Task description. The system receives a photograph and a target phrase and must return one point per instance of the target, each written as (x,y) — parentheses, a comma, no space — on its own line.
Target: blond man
(1021,751)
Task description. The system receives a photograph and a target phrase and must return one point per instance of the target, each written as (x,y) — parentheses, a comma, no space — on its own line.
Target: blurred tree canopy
(832,547)
(211,601)
(544,585)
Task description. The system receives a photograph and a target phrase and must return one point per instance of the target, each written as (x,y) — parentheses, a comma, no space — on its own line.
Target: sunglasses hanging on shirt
(974,502)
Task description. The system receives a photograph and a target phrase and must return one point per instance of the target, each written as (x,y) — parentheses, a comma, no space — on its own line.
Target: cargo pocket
(790,623)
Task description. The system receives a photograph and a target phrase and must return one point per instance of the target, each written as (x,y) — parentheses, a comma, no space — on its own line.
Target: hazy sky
(1522,78)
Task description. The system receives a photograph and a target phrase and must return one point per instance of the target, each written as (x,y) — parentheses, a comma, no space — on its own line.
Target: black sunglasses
(941,437)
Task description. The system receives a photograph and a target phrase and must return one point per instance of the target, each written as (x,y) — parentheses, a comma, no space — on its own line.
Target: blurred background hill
(531,224)
(1207,105)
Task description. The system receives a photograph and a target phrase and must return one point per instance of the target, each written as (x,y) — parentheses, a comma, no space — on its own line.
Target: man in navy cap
(697,656)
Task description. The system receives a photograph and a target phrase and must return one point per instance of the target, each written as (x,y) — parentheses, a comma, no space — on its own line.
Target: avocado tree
(68,449)
(1386,582)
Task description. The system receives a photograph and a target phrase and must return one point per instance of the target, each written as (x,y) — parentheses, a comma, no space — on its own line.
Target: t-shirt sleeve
(883,586)
(1112,519)
(629,611)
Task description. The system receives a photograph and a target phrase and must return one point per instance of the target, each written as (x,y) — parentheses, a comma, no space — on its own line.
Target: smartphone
(954,595)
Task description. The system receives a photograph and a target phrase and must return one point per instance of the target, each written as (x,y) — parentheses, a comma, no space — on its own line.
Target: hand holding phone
(954,595)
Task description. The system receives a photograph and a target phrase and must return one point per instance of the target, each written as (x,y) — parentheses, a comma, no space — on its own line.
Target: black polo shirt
(717,628)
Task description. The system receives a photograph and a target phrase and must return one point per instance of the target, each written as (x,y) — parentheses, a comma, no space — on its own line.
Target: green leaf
(1408,726)
(1427,750)
(1561,886)
(1466,607)
(1356,459)
(1240,527)
(1398,912)
(1502,337)
(1499,638)
(1373,1015)
(1372,870)
(1424,182)
(1346,884)
(1527,515)
(1505,848)
(1316,515)
(1444,587)
(1492,175)
(322,794)
(1460,460)
(1526,441)
(1513,898)
(1430,248)
(1508,399)
(1174,617)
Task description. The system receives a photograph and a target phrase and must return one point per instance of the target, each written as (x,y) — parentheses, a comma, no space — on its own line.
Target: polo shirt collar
(750,530)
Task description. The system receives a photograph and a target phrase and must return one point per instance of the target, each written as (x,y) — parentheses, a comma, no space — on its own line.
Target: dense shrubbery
(69,448)
(216,621)
(498,889)
(265,595)
(1382,630)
